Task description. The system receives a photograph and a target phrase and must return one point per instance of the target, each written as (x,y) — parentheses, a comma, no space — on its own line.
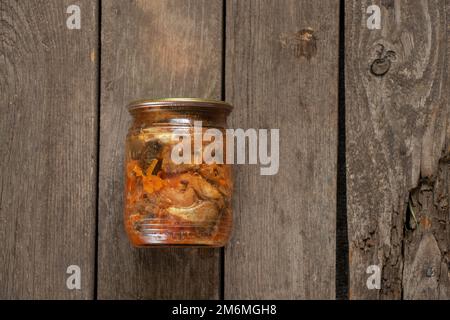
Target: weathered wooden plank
(48,107)
(282,72)
(152,49)
(398,148)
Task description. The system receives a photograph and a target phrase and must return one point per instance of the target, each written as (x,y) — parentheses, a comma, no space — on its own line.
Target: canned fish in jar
(173,197)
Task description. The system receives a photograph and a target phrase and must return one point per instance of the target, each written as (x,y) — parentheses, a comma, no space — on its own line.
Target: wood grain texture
(282,72)
(152,49)
(398,149)
(48,106)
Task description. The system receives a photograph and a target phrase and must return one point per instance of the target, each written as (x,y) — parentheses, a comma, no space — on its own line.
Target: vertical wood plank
(398,148)
(48,106)
(282,72)
(152,49)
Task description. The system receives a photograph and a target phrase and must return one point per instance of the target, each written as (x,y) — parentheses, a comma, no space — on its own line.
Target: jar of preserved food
(173,203)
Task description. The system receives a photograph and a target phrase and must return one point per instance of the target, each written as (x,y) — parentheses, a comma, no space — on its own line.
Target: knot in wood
(430,272)
(381,65)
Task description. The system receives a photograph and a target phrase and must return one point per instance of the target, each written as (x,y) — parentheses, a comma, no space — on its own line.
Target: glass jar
(173,203)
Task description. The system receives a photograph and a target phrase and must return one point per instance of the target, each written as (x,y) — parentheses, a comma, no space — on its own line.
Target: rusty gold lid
(179,102)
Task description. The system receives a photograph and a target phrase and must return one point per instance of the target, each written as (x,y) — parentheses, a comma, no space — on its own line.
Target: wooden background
(282,64)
